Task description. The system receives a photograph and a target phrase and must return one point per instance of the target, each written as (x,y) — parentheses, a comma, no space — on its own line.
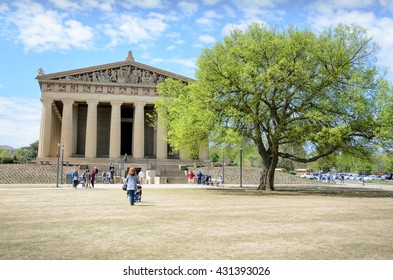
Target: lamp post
(223,166)
(62,164)
(58,161)
(241,167)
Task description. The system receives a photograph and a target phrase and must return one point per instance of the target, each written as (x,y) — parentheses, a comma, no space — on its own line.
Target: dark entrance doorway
(126,138)
(127,113)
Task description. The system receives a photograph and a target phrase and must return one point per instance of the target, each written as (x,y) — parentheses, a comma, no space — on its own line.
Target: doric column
(66,126)
(114,142)
(91,129)
(138,141)
(45,128)
(162,146)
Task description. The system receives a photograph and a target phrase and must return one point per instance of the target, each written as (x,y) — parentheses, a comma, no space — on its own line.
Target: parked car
(311,176)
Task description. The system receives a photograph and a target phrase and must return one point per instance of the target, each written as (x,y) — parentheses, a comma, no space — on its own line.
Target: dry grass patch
(192,224)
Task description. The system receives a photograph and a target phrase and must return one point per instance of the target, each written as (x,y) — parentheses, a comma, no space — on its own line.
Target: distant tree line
(21,155)
(377,162)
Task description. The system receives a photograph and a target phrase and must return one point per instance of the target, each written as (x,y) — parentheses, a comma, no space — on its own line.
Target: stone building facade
(101,112)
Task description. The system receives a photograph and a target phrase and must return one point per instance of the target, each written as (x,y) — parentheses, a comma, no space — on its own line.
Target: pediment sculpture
(123,74)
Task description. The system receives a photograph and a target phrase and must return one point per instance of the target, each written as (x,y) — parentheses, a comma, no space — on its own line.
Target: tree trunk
(266,181)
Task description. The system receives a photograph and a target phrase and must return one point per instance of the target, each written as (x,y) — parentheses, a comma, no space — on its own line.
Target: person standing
(83,179)
(112,172)
(92,178)
(141,176)
(190,176)
(103,179)
(75,179)
(88,179)
(132,182)
(95,170)
(199,177)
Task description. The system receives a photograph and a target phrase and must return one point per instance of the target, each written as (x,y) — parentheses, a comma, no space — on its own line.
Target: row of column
(91,130)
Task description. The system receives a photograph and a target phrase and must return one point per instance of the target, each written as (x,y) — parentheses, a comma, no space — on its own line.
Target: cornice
(103,67)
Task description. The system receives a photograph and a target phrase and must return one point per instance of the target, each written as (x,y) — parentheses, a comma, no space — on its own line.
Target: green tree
(292,87)
(182,110)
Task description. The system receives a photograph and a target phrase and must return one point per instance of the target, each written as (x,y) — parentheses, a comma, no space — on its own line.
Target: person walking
(132,182)
(92,178)
(220,181)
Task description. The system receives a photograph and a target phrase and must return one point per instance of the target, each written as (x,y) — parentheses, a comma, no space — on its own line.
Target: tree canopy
(283,89)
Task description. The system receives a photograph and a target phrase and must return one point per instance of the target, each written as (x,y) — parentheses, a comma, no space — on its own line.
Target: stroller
(138,193)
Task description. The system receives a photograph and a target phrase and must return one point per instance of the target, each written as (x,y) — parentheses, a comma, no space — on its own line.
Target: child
(138,193)
(83,179)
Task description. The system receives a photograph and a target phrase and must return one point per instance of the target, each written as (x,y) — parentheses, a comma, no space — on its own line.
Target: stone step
(176,180)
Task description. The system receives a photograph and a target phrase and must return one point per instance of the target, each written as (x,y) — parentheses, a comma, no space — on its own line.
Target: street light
(58,161)
(241,167)
(223,166)
(62,163)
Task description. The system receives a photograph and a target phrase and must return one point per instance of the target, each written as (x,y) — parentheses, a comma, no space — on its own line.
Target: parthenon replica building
(101,112)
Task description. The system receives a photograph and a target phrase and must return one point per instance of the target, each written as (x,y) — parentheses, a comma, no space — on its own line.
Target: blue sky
(59,35)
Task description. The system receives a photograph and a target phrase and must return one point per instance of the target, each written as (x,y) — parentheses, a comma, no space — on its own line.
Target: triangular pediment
(125,72)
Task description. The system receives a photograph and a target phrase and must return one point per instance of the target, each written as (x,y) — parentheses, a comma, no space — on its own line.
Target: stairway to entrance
(172,169)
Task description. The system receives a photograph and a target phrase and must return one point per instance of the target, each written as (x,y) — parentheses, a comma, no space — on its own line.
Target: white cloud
(4,8)
(145,4)
(171,47)
(173,35)
(210,2)
(207,39)
(66,4)
(324,5)
(380,29)
(133,29)
(40,29)
(180,42)
(254,8)
(156,60)
(226,30)
(188,8)
(387,4)
(188,63)
(229,11)
(105,5)
(209,18)
(19,121)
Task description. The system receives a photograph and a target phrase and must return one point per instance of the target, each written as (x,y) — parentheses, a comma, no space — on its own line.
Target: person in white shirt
(141,176)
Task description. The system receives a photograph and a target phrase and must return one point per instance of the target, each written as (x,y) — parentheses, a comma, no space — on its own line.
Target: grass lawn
(188,224)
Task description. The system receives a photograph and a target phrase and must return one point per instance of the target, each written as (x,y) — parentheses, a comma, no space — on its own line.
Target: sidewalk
(107,186)
(368,186)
